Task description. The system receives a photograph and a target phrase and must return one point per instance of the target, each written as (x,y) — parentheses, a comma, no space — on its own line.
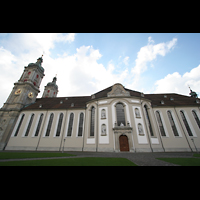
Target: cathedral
(115,119)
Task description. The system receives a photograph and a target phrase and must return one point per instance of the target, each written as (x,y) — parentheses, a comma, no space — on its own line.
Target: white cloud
(150,52)
(126,60)
(146,55)
(175,83)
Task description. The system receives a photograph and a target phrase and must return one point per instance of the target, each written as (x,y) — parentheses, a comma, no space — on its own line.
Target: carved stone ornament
(122,129)
(117,91)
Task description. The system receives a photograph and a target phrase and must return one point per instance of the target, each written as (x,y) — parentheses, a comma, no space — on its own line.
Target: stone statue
(137,112)
(103,114)
(140,129)
(103,130)
(121,124)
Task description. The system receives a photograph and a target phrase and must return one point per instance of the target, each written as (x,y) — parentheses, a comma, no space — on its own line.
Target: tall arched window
(71,119)
(186,123)
(39,125)
(19,125)
(59,125)
(29,125)
(148,120)
(120,114)
(80,126)
(160,124)
(196,118)
(92,122)
(171,120)
(49,125)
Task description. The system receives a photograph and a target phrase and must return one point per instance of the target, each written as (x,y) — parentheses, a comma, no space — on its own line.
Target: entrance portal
(123,143)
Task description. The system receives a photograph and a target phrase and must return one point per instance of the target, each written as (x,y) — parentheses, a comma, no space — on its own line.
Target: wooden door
(123,142)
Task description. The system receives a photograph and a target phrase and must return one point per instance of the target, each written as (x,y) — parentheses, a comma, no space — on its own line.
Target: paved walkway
(140,159)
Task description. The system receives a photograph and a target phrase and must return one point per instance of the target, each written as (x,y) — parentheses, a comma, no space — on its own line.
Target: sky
(86,63)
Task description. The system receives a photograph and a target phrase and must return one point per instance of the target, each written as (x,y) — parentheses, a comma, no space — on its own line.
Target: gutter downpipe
(146,126)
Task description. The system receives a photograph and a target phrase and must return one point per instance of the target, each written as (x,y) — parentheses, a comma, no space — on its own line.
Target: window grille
(29,125)
(39,125)
(80,127)
(196,118)
(186,123)
(71,119)
(49,124)
(19,125)
(172,123)
(92,121)
(59,125)
(161,127)
(120,114)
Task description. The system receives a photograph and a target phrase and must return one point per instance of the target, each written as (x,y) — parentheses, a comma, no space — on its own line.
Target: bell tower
(23,93)
(51,89)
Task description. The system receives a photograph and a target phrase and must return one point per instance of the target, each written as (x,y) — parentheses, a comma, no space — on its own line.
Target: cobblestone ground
(140,159)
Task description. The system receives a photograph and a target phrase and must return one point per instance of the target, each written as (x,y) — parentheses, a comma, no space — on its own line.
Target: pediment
(118,91)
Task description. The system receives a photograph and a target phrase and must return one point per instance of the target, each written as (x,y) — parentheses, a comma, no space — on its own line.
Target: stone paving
(140,159)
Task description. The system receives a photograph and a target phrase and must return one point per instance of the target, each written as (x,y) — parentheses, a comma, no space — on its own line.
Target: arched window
(49,125)
(196,118)
(186,123)
(39,125)
(29,125)
(103,114)
(71,119)
(92,122)
(80,126)
(148,120)
(59,125)
(160,124)
(171,120)
(19,125)
(120,114)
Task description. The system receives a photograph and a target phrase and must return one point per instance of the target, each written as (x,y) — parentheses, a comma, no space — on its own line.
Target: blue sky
(86,63)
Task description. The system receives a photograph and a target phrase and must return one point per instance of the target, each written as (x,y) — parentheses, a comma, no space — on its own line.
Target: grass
(196,155)
(183,161)
(19,155)
(92,161)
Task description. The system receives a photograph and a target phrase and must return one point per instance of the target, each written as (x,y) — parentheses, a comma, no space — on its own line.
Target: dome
(53,83)
(38,63)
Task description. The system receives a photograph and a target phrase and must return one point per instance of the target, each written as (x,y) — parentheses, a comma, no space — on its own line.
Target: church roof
(59,103)
(172,99)
(161,100)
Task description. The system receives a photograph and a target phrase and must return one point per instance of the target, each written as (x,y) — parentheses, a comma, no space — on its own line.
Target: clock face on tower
(30,95)
(18,92)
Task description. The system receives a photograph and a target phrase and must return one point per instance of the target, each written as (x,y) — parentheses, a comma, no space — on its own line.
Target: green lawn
(18,155)
(93,161)
(182,161)
(196,155)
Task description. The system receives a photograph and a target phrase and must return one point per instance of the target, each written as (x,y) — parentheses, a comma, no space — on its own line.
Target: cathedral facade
(112,120)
